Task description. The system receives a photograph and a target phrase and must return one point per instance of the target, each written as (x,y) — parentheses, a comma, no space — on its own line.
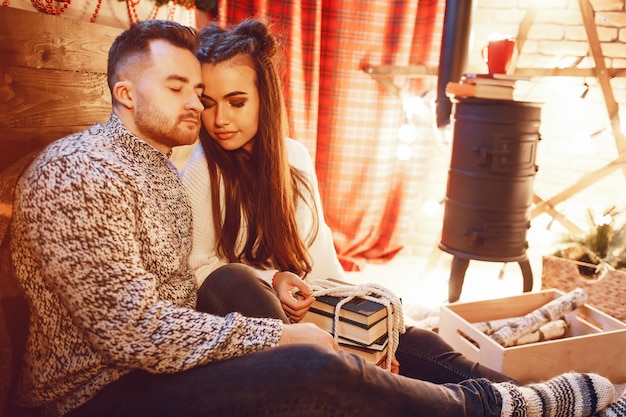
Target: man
(101,235)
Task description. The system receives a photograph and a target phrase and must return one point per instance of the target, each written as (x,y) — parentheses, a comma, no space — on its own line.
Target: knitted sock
(617,409)
(570,394)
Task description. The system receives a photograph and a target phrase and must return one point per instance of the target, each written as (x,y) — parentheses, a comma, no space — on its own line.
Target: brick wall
(576,138)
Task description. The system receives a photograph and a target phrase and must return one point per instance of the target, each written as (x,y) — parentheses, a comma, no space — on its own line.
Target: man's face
(167,105)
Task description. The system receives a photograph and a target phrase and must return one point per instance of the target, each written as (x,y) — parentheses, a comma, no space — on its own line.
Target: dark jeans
(422,354)
(301,380)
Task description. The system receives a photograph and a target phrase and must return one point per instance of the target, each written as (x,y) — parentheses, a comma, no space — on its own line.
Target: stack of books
(492,86)
(362,325)
(375,352)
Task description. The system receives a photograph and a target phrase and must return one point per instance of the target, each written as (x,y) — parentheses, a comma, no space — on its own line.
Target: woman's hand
(395,365)
(286,284)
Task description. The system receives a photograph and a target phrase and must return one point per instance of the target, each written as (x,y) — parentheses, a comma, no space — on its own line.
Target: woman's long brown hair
(259,186)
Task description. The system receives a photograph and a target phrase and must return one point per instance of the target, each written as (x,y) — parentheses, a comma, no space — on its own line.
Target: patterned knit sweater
(101,235)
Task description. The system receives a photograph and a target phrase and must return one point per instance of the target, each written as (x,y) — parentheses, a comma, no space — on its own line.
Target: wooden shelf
(411,70)
(569,72)
(384,74)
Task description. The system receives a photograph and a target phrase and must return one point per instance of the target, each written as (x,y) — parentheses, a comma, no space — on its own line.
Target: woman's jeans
(302,380)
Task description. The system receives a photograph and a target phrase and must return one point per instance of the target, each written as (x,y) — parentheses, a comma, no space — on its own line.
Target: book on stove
(497,92)
(491,86)
(505,80)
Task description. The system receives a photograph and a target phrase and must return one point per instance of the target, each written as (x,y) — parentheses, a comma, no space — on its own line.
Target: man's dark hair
(134,43)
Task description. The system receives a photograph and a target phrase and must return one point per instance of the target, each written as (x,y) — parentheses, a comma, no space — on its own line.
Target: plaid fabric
(347,120)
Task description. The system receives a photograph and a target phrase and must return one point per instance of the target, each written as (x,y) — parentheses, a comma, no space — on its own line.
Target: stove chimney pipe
(453,55)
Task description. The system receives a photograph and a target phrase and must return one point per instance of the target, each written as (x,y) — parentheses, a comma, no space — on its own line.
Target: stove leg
(457,276)
(527,274)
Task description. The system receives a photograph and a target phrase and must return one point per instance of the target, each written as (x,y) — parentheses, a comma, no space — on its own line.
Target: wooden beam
(556,215)
(580,185)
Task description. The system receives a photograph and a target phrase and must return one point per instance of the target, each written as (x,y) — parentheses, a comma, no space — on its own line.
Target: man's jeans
(302,380)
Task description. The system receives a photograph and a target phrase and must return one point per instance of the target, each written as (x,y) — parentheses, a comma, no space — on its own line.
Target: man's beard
(157,127)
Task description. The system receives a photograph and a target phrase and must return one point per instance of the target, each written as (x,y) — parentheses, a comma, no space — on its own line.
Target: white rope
(372,292)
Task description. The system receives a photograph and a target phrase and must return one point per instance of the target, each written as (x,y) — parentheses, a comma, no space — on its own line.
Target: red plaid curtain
(347,120)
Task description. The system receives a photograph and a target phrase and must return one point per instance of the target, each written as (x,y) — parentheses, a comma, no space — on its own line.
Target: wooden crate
(595,341)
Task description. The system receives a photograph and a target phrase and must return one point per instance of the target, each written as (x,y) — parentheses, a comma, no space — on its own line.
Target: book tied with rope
(348,329)
(364,319)
(375,352)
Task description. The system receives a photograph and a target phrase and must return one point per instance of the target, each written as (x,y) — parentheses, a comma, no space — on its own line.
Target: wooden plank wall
(52,79)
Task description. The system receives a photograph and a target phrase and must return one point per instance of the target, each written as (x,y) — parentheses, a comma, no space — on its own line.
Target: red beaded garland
(133,16)
(155,11)
(170,15)
(132,11)
(94,16)
(48,8)
(131,6)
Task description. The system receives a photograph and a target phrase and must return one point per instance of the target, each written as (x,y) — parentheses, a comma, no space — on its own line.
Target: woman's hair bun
(261,40)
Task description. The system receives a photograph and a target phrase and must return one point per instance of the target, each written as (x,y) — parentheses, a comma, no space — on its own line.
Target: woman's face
(231,104)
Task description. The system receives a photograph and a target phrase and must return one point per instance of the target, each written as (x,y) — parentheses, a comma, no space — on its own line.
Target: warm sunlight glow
(622,123)
(601,220)
(414,105)
(431,208)
(404,152)
(407,133)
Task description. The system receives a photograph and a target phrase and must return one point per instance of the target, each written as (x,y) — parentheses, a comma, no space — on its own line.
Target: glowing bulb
(431,208)
(407,133)
(413,105)
(603,220)
(404,152)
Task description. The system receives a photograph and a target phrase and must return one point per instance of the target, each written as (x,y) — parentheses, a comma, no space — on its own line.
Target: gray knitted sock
(616,409)
(570,394)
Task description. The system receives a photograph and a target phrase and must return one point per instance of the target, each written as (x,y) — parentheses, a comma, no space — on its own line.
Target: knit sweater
(100,240)
(204,258)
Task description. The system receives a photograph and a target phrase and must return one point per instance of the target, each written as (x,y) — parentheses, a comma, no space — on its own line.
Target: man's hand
(286,284)
(307,333)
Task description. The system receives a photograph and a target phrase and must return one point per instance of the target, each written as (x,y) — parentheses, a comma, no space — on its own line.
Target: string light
(407,133)
(404,152)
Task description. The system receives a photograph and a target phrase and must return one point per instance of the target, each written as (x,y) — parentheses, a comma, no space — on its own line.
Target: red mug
(497,55)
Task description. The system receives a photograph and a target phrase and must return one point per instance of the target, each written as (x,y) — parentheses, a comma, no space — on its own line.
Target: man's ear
(123,93)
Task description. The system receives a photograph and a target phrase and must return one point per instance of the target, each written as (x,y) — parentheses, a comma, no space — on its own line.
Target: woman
(280,231)
(255,201)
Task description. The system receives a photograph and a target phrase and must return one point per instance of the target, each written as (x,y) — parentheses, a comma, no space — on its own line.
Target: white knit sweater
(100,238)
(204,258)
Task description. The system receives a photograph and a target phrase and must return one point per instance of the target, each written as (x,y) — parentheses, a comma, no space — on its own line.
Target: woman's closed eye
(238,103)
(209,103)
